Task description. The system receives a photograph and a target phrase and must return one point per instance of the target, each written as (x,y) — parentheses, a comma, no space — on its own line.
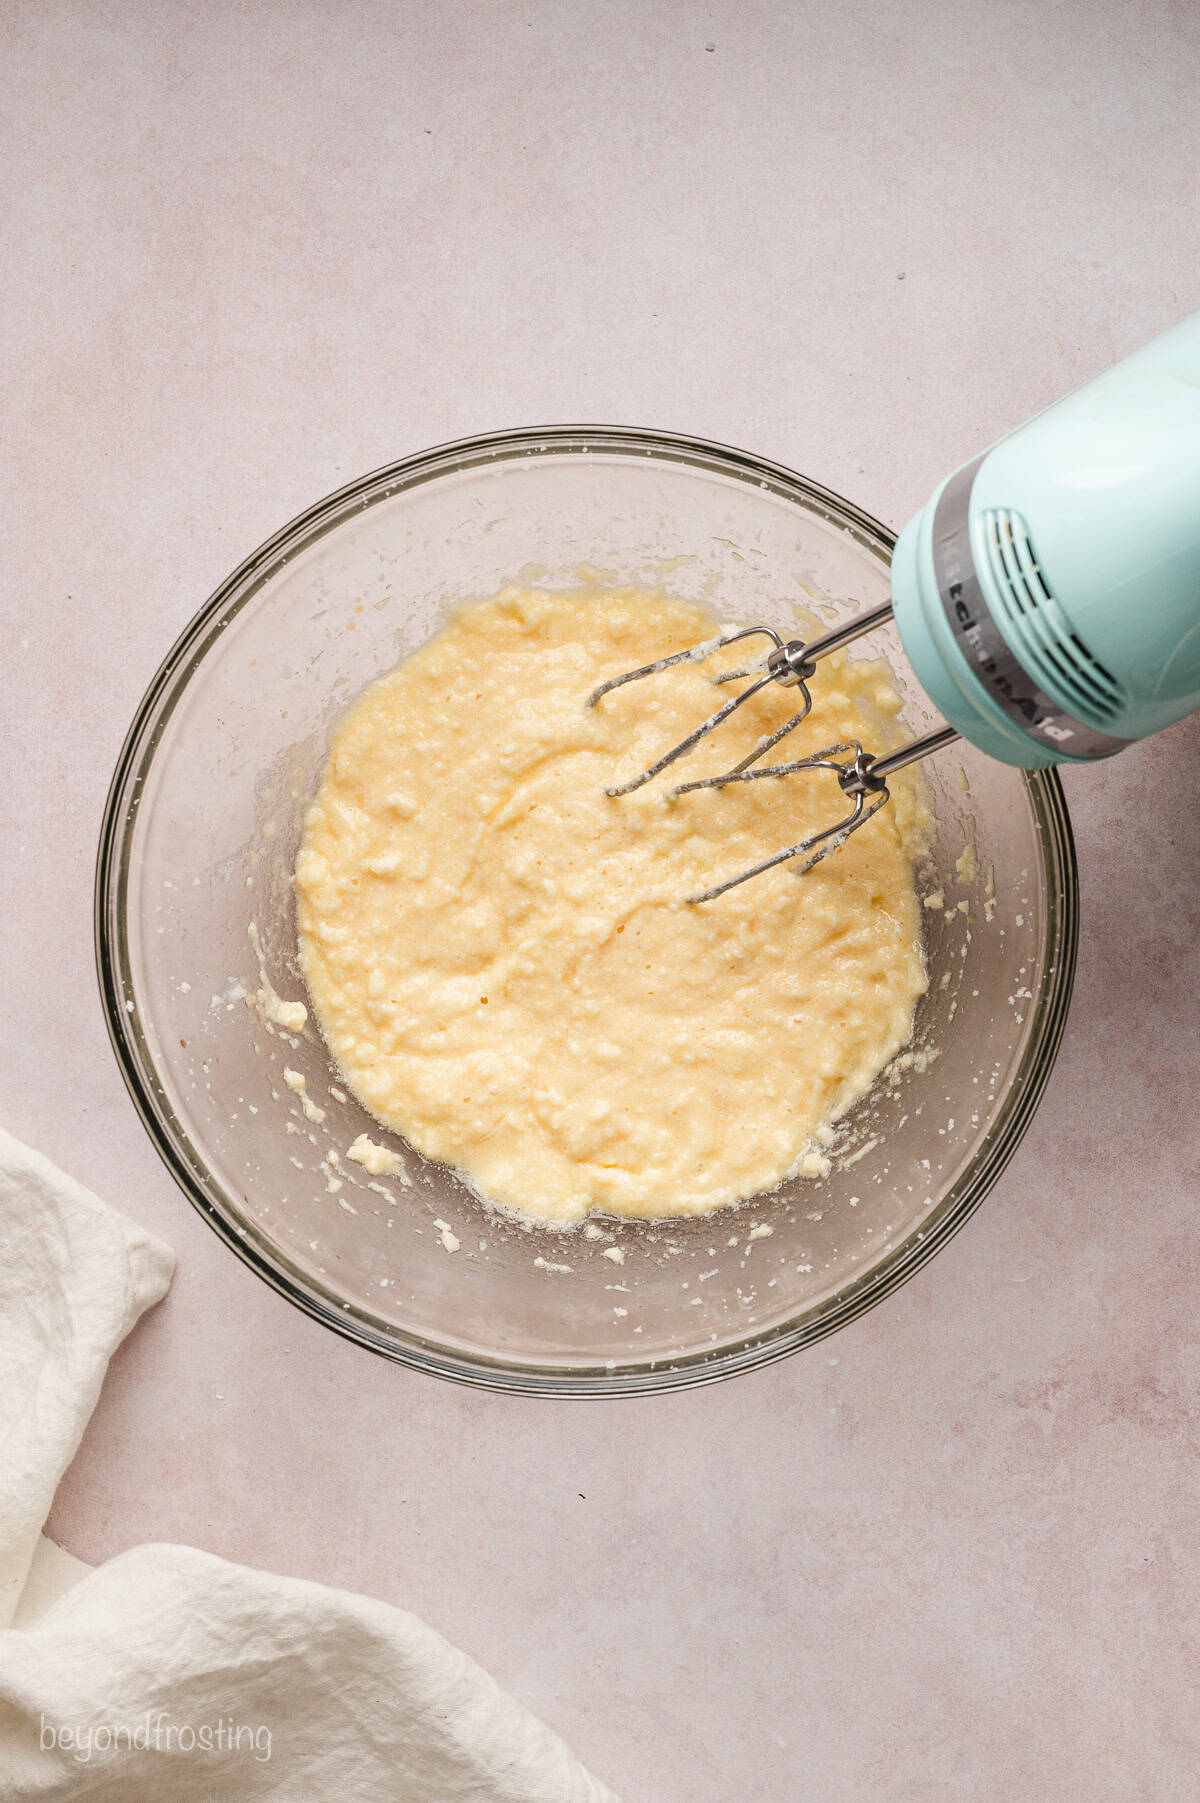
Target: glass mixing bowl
(199,839)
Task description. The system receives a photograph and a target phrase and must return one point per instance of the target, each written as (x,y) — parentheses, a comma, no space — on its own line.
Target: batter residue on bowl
(500,955)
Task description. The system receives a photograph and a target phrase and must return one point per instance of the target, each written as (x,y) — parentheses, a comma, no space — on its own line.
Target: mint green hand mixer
(1047,596)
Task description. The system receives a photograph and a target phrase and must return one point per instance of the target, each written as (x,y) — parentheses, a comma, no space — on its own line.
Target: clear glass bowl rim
(185,1161)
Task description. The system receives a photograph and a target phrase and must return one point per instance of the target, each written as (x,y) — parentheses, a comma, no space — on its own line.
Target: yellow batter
(500,955)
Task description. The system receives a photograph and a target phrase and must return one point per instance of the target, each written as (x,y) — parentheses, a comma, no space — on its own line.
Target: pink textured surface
(952,1552)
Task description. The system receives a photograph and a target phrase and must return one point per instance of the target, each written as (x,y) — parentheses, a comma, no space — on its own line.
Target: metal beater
(792,665)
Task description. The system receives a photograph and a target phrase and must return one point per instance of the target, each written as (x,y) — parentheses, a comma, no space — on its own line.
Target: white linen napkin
(168,1675)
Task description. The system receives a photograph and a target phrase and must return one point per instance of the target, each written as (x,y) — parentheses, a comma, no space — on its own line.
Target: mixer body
(1048,595)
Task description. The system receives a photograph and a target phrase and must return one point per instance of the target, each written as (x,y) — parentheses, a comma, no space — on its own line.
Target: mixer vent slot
(1038,629)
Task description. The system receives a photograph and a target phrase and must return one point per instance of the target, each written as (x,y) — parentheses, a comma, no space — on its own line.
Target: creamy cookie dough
(500,955)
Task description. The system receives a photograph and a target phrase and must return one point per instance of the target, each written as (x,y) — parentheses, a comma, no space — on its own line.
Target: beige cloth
(169,1675)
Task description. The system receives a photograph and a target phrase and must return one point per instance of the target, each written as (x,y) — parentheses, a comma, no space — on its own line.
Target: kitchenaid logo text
(155,1732)
(1025,705)
(971,628)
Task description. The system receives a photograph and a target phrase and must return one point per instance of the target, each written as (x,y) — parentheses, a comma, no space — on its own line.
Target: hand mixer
(1047,597)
